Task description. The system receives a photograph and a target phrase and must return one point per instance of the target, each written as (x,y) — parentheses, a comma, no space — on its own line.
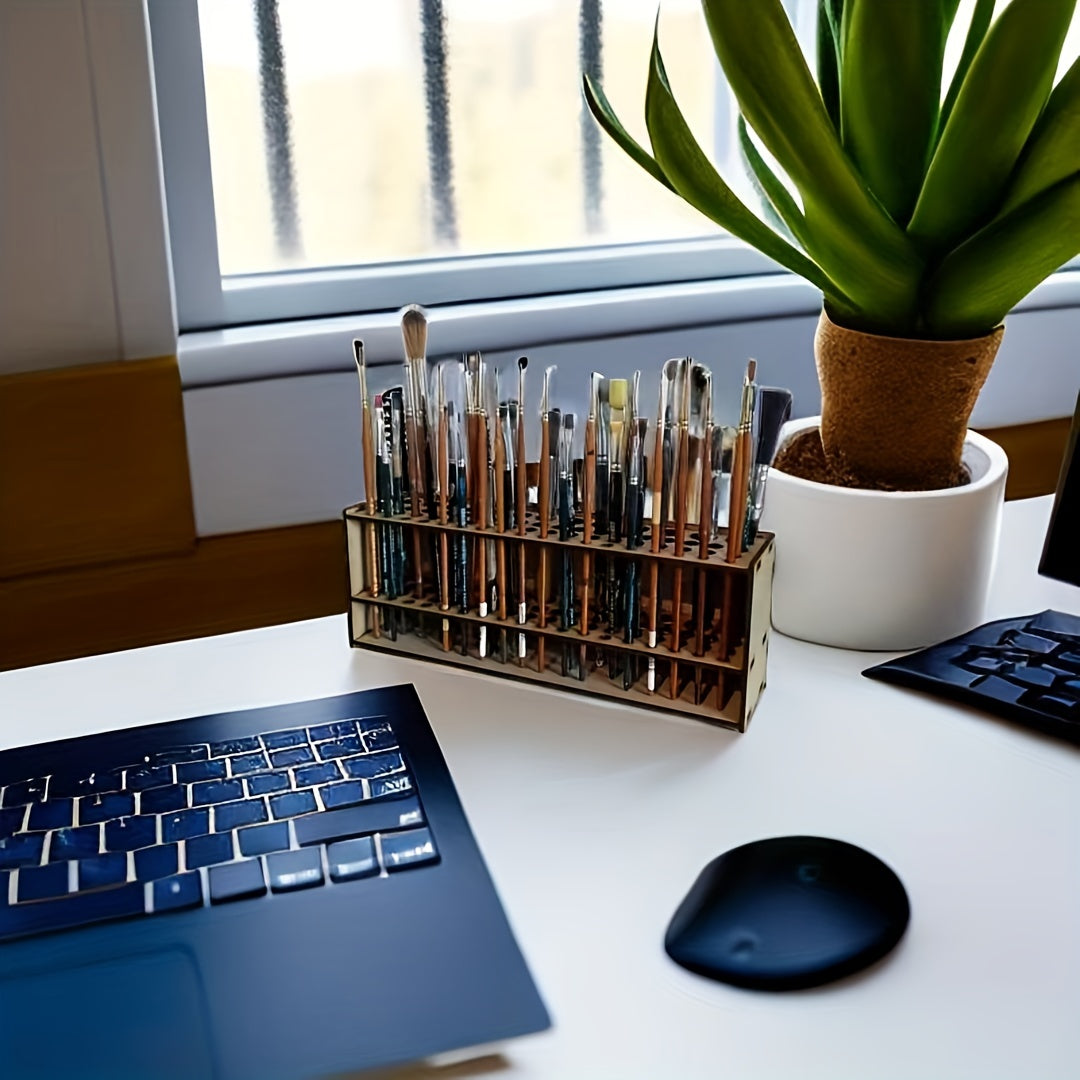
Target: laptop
(284,892)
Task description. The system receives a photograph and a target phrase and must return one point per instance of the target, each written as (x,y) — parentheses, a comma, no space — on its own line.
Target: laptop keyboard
(210,823)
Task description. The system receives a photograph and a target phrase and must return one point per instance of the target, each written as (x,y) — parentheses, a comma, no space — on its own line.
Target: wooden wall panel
(93,466)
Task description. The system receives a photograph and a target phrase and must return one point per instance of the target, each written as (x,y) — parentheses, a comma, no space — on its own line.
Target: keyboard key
(400,851)
(96,808)
(380,737)
(177,893)
(372,765)
(392,787)
(75,843)
(290,870)
(984,664)
(1032,676)
(1055,622)
(216,791)
(100,783)
(297,755)
(208,850)
(1056,704)
(352,859)
(191,772)
(43,882)
(1031,643)
(310,775)
(234,814)
(102,870)
(278,740)
(1069,659)
(357,821)
(129,833)
(292,803)
(148,776)
(248,763)
(227,747)
(163,800)
(262,839)
(341,748)
(185,825)
(173,755)
(52,814)
(11,820)
(23,792)
(67,912)
(337,730)
(157,862)
(237,881)
(348,794)
(993,686)
(267,783)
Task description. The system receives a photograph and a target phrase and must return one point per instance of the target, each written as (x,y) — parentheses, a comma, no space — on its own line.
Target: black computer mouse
(788,913)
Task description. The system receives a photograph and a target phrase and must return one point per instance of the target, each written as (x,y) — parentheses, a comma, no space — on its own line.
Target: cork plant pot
(894,411)
(884,570)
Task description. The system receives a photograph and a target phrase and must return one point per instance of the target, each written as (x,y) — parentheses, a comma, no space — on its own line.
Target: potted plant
(923,213)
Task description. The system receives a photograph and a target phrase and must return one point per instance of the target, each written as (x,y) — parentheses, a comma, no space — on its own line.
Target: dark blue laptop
(282,892)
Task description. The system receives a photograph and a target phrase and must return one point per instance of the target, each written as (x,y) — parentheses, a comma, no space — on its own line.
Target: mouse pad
(1026,670)
(788,913)
(159,995)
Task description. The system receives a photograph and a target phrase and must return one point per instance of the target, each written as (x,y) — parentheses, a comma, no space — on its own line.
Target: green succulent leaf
(980,23)
(693,176)
(830,20)
(850,235)
(979,283)
(780,207)
(605,116)
(1053,150)
(999,101)
(890,90)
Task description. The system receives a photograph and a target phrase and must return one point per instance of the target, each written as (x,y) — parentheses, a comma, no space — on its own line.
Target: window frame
(207,300)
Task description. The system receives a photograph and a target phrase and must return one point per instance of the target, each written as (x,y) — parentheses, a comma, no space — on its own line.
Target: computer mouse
(788,913)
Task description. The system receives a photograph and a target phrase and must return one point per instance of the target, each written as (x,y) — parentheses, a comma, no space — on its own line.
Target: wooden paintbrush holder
(708,663)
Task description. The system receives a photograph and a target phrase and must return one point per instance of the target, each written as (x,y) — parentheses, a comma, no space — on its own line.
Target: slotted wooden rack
(717,677)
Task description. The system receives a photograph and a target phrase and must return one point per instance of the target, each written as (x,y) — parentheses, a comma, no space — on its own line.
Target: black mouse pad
(1025,669)
(788,913)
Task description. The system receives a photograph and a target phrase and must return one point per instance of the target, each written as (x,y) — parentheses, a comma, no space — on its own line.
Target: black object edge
(1061,551)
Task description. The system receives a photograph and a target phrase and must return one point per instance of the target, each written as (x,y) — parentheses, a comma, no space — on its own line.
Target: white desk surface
(596,819)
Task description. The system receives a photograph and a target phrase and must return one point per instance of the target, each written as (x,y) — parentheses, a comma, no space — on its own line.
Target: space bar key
(68,912)
(357,821)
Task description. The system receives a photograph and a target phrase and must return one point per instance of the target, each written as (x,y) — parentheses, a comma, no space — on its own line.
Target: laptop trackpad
(138,1017)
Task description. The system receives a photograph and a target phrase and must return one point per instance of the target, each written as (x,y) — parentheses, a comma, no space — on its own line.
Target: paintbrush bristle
(751,370)
(414,331)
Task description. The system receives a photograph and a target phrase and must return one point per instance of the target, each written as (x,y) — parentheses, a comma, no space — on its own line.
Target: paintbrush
(588,495)
(414,340)
(682,469)
(442,493)
(567,530)
(543,507)
(367,439)
(741,466)
(522,489)
(773,410)
(703,377)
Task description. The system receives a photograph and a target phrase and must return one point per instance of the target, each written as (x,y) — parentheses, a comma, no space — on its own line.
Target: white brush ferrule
(652,643)
(483,642)
(522,613)
(521,646)
(652,675)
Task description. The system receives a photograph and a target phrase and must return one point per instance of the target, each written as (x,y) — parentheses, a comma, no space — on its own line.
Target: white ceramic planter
(884,570)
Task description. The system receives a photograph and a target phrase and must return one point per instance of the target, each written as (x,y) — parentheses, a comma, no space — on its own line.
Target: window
(336,155)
